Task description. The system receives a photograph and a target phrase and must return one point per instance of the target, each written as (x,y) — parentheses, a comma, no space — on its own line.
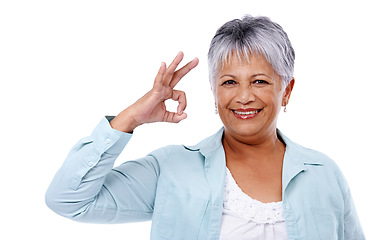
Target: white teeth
(246,113)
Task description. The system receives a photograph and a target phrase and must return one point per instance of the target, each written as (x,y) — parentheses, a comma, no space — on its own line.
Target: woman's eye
(260,82)
(229,82)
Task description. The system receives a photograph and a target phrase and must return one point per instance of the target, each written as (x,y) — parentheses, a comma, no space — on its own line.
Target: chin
(250,129)
(245,130)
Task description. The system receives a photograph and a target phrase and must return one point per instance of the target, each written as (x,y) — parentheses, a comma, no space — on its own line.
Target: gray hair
(248,36)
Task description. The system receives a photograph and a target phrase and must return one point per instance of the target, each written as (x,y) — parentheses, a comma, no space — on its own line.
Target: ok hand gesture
(151,107)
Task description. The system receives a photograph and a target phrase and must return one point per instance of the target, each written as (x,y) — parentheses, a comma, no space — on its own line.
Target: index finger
(179,74)
(172,67)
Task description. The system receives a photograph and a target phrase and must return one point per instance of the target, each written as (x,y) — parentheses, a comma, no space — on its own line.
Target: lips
(246,113)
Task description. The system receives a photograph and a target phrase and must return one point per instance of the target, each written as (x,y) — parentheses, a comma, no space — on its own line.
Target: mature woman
(247,181)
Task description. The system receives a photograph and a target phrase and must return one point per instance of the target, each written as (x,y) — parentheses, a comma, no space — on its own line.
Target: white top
(246,218)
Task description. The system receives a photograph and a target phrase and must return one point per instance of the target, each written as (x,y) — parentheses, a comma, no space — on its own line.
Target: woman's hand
(151,107)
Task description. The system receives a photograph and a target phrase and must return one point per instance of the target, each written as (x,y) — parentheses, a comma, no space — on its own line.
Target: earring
(216,111)
(285,110)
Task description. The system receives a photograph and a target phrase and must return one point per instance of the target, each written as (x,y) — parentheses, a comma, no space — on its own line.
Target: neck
(267,144)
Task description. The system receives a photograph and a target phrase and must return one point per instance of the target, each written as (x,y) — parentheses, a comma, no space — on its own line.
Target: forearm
(78,182)
(86,187)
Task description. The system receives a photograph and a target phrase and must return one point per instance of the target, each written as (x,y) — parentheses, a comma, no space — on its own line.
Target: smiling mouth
(246,113)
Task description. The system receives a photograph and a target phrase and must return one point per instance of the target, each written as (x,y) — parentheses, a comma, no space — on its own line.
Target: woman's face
(249,96)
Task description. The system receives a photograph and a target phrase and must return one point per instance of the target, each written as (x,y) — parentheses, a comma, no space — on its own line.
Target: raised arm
(151,107)
(87,189)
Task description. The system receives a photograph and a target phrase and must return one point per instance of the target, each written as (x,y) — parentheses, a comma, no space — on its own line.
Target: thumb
(179,117)
(173,117)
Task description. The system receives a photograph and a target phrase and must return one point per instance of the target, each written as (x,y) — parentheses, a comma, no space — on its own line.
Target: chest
(259,179)
(189,199)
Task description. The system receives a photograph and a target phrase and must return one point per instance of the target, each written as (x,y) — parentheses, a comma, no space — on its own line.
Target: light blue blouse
(180,188)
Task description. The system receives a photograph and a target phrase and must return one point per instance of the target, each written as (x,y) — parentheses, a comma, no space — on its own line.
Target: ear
(213,91)
(287,93)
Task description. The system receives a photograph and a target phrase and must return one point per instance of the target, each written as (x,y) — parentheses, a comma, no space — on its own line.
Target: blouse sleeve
(352,226)
(87,189)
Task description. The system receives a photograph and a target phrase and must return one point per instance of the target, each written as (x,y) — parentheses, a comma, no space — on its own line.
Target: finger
(178,118)
(179,74)
(172,68)
(174,117)
(180,97)
(161,73)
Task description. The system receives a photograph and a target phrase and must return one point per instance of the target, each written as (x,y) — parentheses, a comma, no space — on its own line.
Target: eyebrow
(227,75)
(255,75)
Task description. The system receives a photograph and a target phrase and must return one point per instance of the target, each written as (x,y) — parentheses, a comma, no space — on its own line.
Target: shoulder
(170,151)
(318,165)
(173,153)
(305,155)
(312,156)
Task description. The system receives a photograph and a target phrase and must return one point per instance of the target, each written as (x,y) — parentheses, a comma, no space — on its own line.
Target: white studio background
(66,64)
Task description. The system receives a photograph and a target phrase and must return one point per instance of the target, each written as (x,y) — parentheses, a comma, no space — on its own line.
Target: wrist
(125,124)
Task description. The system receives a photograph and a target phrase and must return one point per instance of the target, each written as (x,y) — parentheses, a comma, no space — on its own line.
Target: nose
(245,95)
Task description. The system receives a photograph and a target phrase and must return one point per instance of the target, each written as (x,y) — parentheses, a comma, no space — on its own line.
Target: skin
(151,107)
(254,154)
(239,86)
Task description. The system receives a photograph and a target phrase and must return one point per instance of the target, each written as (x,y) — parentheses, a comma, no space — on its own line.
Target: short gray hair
(249,36)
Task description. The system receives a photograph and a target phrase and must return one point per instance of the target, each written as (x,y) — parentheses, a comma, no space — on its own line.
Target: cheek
(269,97)
(223,97)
